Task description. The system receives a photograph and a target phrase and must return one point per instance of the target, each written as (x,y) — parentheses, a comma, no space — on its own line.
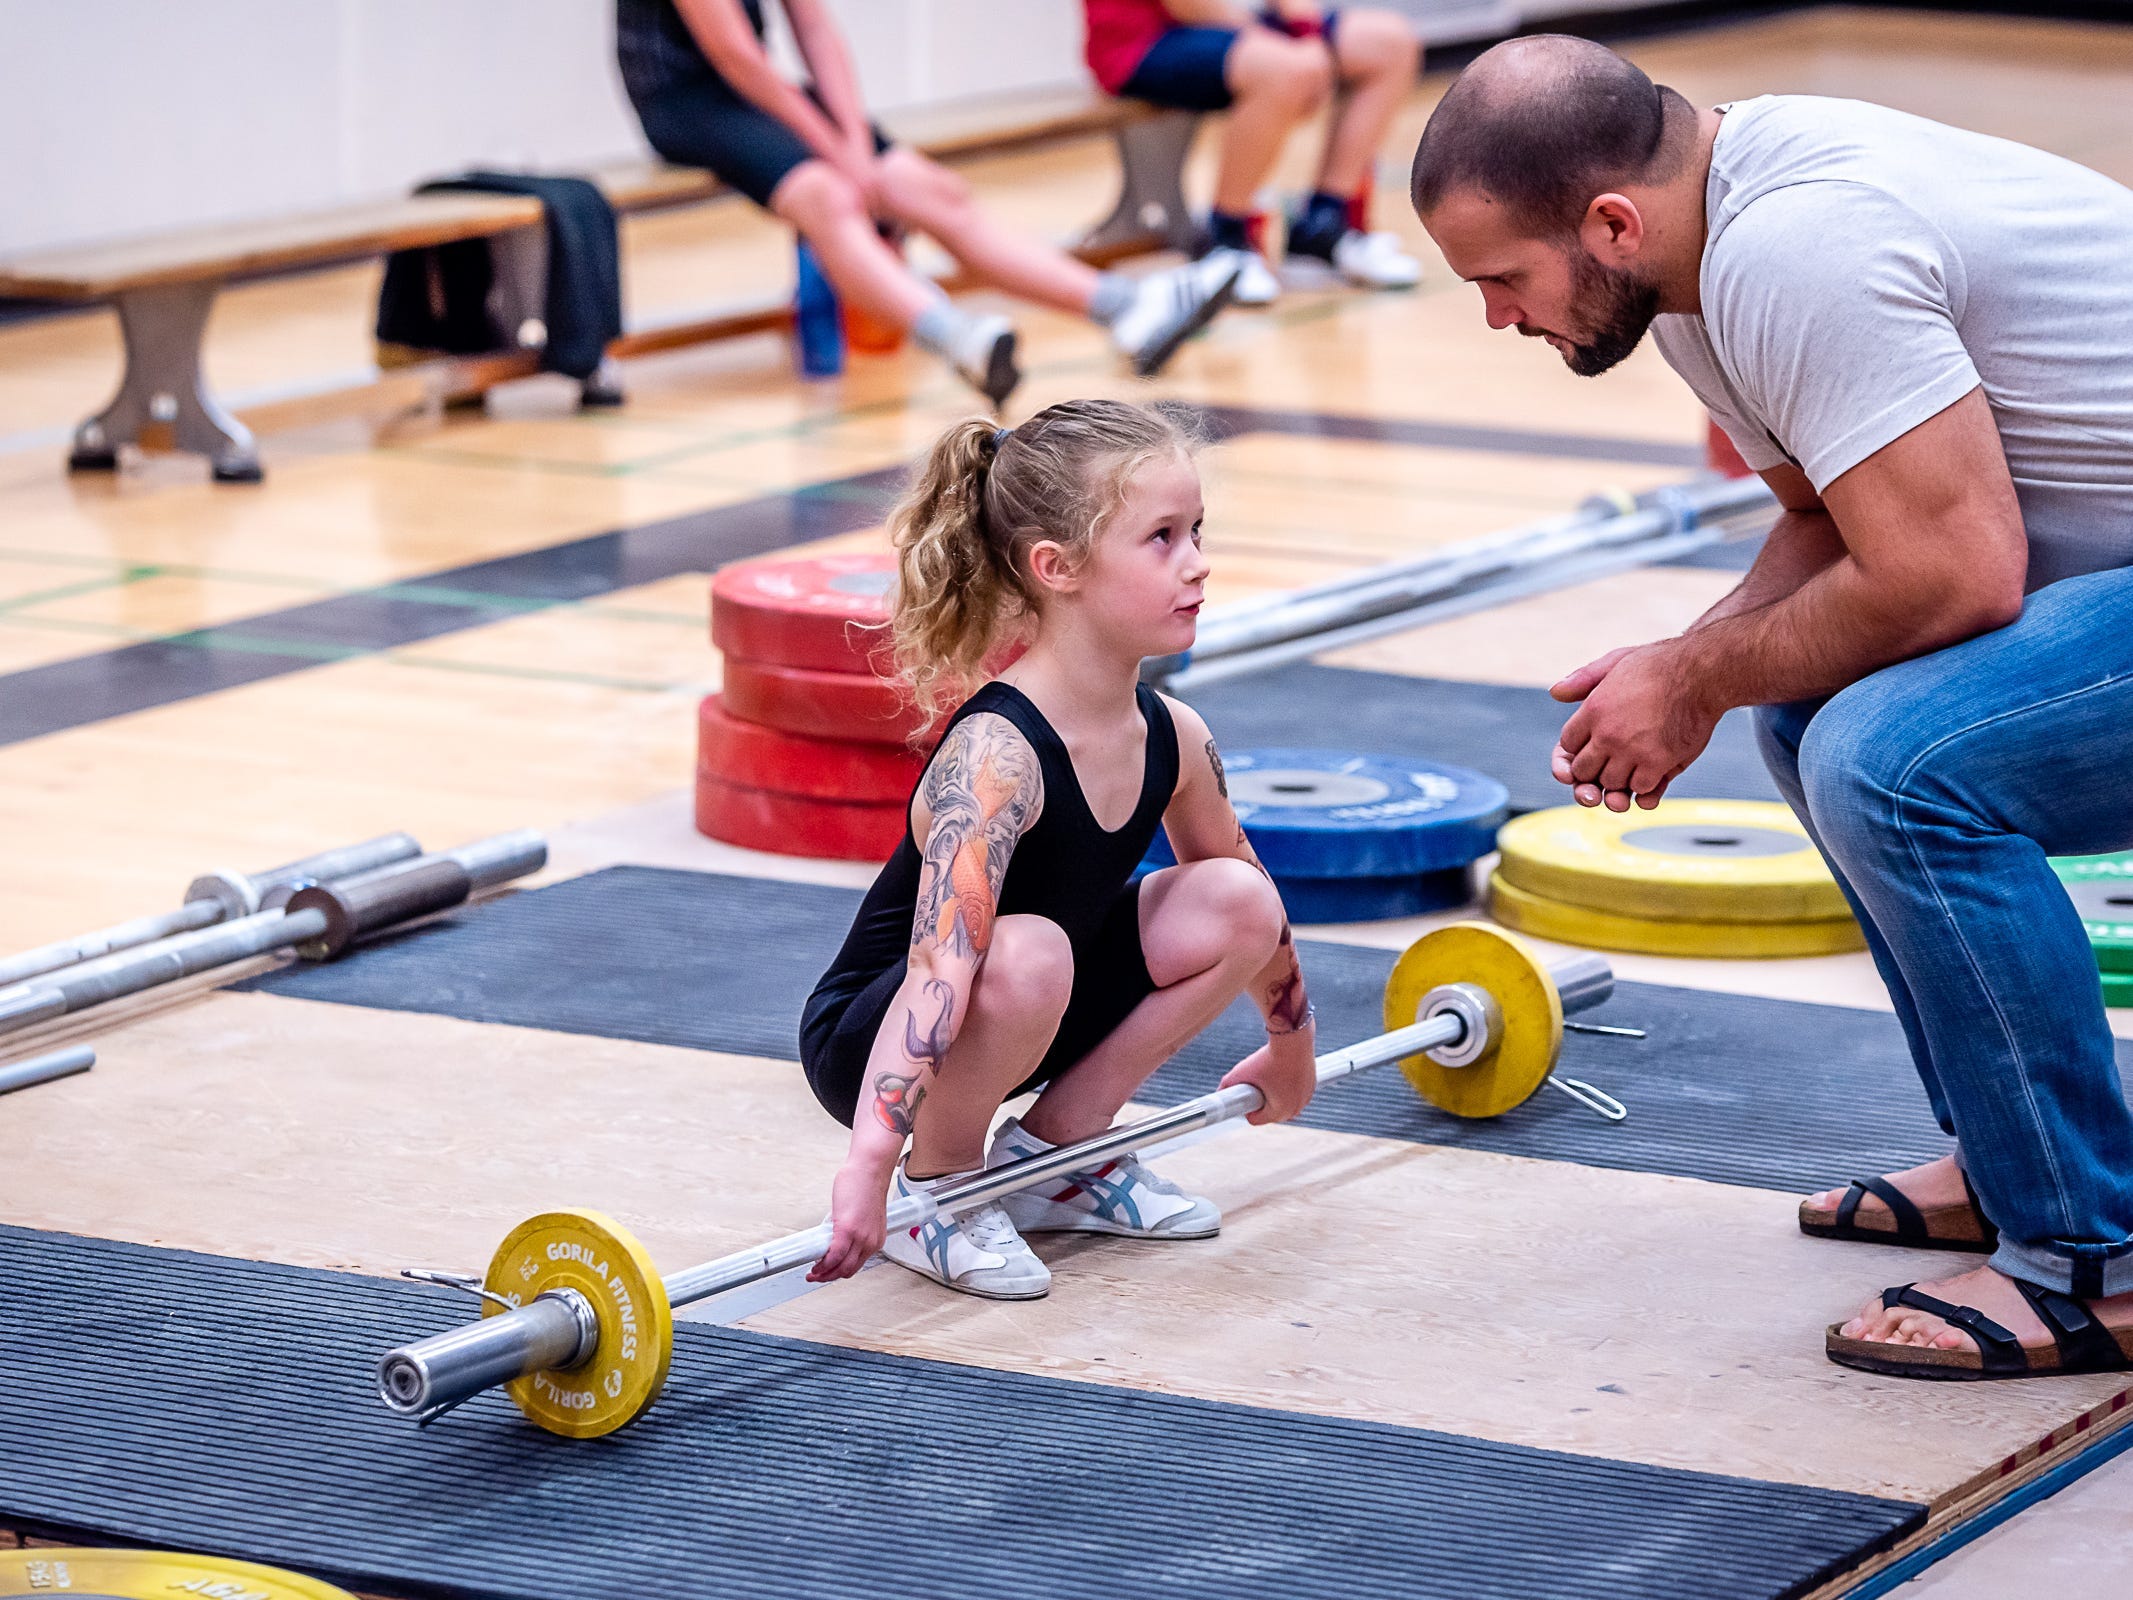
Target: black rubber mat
(1766,1093)
(195,1402)
(1499,729)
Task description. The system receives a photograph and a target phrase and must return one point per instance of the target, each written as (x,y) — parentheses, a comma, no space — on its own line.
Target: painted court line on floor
(164,671)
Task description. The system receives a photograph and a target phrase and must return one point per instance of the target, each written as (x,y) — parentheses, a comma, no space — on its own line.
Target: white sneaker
(1121,1197)
(978,1252)
(984,357)
(1256,283)
(1364,260)
(1170,307)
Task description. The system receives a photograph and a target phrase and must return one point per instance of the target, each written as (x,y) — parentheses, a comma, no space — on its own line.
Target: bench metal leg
(1151,210)
(163,383)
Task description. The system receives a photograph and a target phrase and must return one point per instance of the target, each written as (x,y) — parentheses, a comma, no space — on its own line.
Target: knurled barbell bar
(579,1325)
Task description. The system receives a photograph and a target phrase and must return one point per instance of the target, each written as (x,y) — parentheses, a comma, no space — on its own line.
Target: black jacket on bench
(438,298)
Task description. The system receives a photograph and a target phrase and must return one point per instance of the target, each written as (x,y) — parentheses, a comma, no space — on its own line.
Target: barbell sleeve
(45,1068)
(449,1367)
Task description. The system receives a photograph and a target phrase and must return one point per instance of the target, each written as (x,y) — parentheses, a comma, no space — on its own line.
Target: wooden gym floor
(577,718)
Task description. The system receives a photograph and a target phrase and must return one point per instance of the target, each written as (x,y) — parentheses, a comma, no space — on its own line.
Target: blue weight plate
(1332,814)
(1374,899)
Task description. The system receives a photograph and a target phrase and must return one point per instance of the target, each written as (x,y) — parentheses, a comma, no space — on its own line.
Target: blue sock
(1318,227)
(1229,232)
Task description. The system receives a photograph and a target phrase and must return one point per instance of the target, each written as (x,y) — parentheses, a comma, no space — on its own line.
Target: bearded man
(1922,339)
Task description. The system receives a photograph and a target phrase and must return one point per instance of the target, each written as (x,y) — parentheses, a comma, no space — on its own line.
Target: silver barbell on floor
(319,921)
(211,898)
(1609,533)
(579,1324)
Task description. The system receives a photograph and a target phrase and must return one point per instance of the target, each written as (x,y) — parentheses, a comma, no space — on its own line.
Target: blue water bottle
(818,319)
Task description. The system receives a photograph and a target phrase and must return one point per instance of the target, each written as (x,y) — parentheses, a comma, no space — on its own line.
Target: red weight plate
(794,825)
(825,613)
(1720,454)
(820,705)
(757,757)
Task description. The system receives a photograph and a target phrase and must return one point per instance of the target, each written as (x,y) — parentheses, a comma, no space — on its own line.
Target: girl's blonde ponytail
(953,592)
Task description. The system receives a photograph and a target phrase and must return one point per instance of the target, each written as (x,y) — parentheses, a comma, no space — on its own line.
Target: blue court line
(75,693)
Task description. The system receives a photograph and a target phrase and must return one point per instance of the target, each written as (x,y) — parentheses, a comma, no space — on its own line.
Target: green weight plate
(2101,888)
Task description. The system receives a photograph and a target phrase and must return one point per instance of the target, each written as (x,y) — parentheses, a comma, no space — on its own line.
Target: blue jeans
(1935,789)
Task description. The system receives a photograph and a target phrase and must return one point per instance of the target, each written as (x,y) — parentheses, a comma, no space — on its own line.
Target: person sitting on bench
(1271,69)
(707,95)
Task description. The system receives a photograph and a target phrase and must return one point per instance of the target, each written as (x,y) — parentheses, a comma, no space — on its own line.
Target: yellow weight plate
(1511,971)
(1684,860)
(1603,930)
(142,1574)
(596,1256)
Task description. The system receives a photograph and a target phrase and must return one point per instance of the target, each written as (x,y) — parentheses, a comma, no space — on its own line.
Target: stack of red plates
(806,749)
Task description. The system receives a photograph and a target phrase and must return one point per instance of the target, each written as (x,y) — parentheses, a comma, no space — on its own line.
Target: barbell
(210,898)
(319,920)
(579,1326)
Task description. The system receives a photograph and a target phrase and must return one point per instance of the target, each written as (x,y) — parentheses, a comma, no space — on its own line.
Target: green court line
(67,591)
(592,680)
(171,569)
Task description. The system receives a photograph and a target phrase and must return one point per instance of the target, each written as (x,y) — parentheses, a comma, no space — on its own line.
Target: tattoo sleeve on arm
(1288,1008)
(983,791)
(898,1095)
(1282,995)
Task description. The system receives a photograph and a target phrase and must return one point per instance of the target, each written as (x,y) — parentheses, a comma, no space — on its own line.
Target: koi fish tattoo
(983,791)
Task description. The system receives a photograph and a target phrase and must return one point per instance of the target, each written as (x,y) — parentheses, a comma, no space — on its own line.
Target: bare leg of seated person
(1148,318)
(1376,56)
(1276,83)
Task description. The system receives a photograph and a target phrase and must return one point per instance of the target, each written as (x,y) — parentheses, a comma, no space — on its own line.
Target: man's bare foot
(1991,1292)
(1930,1187)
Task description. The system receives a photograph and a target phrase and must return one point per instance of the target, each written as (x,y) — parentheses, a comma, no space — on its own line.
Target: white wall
(120,117)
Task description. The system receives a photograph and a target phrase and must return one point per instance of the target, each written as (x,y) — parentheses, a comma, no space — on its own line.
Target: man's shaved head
(1543,125)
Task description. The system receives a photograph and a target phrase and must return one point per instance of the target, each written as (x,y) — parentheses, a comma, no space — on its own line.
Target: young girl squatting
(1004,948)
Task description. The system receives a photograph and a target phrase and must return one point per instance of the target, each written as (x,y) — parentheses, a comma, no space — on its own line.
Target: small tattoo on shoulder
(1214,759)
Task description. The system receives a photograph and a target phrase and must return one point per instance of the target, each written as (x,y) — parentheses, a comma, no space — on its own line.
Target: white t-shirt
(1866,269)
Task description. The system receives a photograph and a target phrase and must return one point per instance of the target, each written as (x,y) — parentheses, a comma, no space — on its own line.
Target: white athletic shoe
(984,357)
(1121,1197)
(1170,307)
(1364,260)
(978,1252)
(1256,283)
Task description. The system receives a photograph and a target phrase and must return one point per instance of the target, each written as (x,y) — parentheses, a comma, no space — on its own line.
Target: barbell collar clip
(1598,1101)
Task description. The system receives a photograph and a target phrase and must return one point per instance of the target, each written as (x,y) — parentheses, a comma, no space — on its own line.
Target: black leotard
(1066,868)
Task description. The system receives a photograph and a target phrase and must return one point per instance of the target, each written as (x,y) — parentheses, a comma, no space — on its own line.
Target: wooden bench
(165,286)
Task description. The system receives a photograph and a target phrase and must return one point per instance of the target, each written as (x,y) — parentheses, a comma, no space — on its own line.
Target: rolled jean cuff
(2085,1271)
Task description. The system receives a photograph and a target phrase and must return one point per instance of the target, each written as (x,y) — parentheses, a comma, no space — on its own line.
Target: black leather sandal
(1963,1227)
(2079,1342)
